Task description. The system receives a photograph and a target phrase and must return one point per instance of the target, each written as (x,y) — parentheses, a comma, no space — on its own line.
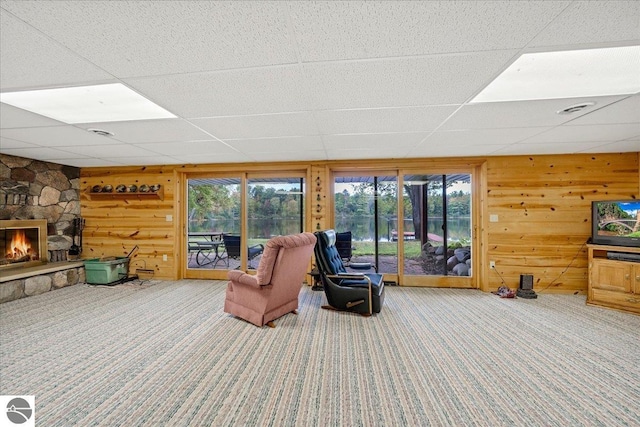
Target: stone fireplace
(23,243)
(39,202)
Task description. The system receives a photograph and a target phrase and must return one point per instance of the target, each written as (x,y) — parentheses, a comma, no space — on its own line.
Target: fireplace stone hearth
(30,281)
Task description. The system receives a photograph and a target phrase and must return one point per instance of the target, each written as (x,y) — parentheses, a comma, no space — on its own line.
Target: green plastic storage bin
(106,272)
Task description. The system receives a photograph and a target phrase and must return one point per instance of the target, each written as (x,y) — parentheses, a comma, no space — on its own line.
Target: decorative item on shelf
(126,192)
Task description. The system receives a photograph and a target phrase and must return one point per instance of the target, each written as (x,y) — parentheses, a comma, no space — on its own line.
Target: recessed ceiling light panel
(567,74)
(87,104)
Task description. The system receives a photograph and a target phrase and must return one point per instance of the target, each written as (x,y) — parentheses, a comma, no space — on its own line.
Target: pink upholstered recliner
(274,290)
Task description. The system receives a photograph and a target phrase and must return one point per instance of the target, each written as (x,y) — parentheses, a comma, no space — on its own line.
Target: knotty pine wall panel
(543,205)
(114,226)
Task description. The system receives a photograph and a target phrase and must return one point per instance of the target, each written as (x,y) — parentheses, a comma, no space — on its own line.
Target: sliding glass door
(437,229)
(230,218)
(365,209)
(423,239)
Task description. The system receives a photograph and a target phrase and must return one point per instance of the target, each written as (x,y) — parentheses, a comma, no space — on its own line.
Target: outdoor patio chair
(356,292)
(232,247)
(344,245)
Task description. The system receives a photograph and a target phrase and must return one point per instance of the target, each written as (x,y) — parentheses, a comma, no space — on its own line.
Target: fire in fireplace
(23,242)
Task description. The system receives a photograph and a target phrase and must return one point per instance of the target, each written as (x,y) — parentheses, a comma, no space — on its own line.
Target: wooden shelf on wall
(158,195)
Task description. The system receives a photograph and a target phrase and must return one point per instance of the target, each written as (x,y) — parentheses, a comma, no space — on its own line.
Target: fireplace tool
(74,250)
(78,226)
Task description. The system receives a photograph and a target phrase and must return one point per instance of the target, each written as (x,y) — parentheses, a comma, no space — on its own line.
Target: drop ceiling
(309,81)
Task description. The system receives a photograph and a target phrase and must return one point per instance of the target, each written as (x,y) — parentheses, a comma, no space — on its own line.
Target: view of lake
(361,227)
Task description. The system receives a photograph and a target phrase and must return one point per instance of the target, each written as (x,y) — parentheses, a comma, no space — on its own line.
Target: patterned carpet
(166,355)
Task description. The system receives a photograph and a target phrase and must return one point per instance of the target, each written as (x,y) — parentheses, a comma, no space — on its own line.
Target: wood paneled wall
(543,206)
(115,226)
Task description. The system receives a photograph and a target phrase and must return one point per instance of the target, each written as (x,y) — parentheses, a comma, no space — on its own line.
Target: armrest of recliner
(361,276)
(243,278)
(350,276)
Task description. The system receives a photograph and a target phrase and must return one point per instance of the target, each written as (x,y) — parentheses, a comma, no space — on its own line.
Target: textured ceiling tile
(587,133)
(188,148)
(372,142)
(592,22)
(289,156)
(12,117)
(111,150)
(550,148)
(230,157)
(143,160)
(359,154)
(256,126)
(616,147)
(480,137)
(54,136)
(227,93)
(625,111)
(431,149)
(447,79)
(343,30)
(141,38)
(276,145)
(40,153)
(7,143)
(144,131)
(30,59)
(519,113)
(380,120)
(90,162)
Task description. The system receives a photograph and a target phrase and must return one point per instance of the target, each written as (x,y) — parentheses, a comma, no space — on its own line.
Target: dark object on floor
(505,292)
(527,293)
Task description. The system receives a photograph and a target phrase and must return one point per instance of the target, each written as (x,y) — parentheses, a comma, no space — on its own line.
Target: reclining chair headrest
(329,237)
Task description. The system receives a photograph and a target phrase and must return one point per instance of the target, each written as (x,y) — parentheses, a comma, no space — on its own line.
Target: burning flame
(20,246)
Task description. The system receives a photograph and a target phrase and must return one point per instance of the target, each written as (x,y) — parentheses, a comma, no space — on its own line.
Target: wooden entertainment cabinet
(613,283)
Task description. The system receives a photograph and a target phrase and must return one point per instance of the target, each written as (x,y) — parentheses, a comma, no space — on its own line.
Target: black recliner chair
(356,292)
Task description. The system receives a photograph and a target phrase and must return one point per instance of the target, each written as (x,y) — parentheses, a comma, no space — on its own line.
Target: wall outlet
(169,218)
(164,257)
(492,264)
(493,218)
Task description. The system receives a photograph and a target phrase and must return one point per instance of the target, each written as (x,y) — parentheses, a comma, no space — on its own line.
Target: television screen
(616,222)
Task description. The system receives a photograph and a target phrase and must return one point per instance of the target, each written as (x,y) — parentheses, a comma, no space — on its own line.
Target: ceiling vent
(101,132)
(575,108)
